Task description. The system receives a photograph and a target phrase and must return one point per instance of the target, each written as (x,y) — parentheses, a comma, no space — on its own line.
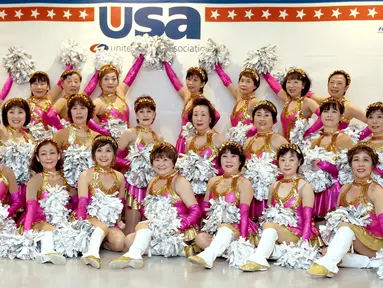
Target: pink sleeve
(82,208)
(365,133)
(244,221)
(32,205)
(329,168)
(97,128)
(222,75)
(192,218)
(307,222)
(205,207)
(380,221)
(92,84)
(379,171)
(273,83)
(53,119)
(172,77)
(314,128)
(6,88)
(133,71)
(120,159)
(16,204)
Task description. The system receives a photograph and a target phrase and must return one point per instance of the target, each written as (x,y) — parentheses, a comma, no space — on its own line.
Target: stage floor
(171,272)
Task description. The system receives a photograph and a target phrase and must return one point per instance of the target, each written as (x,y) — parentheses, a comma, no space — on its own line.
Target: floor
(169,272)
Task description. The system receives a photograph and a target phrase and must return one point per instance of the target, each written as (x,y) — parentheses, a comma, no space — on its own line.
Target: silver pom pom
(238,133)
(76,160)
(220,212)
(197,170)
(238,252)
(354,132)
(72,239)
(357,216)
(280,215)
(345,172)
(319,179)
(164,222)
(39,132)
(72,53)
(107,57)
(140,171)
(281,74)
(156,50)
(188,130)
(106,208)
(377,177)
(213,54)
(19,64)
(116,127)
(299,255)
(298,132)
(261,60)
(262,173)
(54,205)
(17,156)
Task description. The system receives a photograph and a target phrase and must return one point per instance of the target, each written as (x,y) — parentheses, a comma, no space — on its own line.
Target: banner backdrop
(318,37)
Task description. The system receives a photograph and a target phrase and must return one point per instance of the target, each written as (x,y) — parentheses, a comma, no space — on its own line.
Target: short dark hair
(202,101)
(253,75)
(200,73)
(297,74)
(16,102)
(234,149)
(40,76)
(36,166)
(163,149)
(267,105)
(377,106)
(332,103)
(346,76)
(286,148)
(68,73)
(101,141)
(82,100)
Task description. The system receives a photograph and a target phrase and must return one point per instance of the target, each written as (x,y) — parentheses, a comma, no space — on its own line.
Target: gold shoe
(199,261)
(123,262)
(251,266)
(319,270)
(92,261)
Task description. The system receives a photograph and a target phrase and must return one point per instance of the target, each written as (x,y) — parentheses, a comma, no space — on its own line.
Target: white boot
(352,260)
(277,252)
(257,261)
(48,254)
(337,249)
(133,258)
(218,246)
(92,256)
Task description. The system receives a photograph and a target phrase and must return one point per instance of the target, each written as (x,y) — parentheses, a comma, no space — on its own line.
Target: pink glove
(307,222)
(314,128)
(16,204)
(329,168)
(244,222)
(205,207)
(97,128)
(172,77)
(120,159)
(317,112)
(380,220)
(309,94)
(82,208)
(273,83)
(379,171)
(92,84)
(193,217)
(133,71)
(217,116)
(6,88)
(53,119)
(60,83)
(224,77)
(32,206)
(252,131)
(365,133)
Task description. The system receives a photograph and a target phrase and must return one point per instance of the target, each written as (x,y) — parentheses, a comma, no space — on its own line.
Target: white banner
(318,38)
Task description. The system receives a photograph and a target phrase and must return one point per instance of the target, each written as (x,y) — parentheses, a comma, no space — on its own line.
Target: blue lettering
(192,22)
(142,18)
(125,30)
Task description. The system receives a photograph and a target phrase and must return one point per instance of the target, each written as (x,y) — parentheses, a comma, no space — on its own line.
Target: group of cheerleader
(76,159)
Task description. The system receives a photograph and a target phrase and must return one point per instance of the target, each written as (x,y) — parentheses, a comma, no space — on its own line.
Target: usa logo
(118,22)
